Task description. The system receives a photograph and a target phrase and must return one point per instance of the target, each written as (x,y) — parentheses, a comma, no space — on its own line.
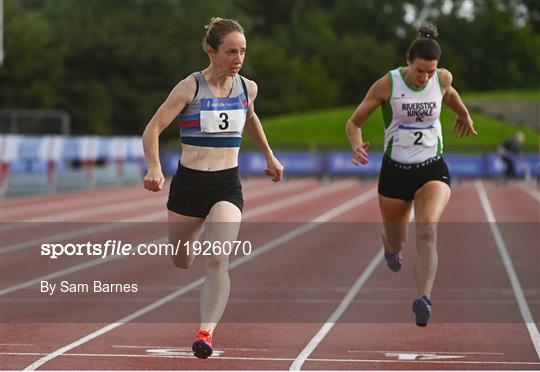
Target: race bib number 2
(222,115)
(410,136)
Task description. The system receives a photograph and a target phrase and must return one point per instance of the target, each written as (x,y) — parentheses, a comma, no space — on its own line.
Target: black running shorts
(194,192)
(401,181)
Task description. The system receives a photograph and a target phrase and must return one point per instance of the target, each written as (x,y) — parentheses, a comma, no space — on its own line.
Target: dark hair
(217,29)
(425,46)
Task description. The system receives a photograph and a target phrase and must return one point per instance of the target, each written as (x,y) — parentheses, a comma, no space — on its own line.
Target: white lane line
(12,208)
(67,271)
(98,229)
(362,198)
(511,272)
(96,262)
(72,216)
(533,193)
(134,221)
(80,201)
(156,355)
(321,334)
(474,362)
(124,206)
(180,348)
(270,359)
(277,189)
(274,190)
(119,207)
(16,344)
(305,301)
(297,199)
(135,200)
(423,352)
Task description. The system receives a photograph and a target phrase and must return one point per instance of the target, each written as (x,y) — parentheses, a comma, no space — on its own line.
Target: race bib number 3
(222,115)
(408,137)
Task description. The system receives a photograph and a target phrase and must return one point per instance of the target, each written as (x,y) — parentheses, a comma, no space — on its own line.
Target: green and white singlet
(412,131)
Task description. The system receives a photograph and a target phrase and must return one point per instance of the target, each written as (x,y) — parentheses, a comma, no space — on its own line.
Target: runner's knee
(217,264)
(181,262)
(426,234)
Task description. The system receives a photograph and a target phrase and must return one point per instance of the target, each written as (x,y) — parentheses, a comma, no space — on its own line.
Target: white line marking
(16,344)
(162,215)
(420,361)
(53,205)
(297,199)
(67,271)
(321,334)
(533,193)
(275,189)
(414,356)
(101,228)
(507,261)
(72,216)
(182,348)
(362,198)
(80,203)
(161,356)
(187,353)
(96,262)
(13,208)
(266,359)
(133,203)
(422,352)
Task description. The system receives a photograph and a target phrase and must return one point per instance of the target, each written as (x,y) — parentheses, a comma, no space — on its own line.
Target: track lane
(15,268)
(519,244)
(345,196)
(279,347)
(474,308)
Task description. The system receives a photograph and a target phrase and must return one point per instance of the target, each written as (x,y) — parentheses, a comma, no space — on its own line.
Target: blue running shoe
(421,306)
(393,260)
(202,347)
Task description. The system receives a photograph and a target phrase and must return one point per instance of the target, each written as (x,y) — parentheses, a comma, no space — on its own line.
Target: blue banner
(296,163)
(531,164)
(466,165)
(339,163)
(169,162)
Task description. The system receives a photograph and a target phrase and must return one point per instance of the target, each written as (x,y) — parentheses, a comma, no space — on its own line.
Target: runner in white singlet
(413,172)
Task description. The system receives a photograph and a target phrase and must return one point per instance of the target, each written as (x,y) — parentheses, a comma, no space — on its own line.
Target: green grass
(521,95)
(326,130)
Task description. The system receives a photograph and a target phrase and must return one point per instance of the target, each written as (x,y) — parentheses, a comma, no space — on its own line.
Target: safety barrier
(37,164)
(338,163)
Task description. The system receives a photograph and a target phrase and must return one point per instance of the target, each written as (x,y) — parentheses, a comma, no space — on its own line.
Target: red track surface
(281,298)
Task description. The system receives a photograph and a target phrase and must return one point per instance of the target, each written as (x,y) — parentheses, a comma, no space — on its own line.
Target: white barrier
(9,152)
(82,155)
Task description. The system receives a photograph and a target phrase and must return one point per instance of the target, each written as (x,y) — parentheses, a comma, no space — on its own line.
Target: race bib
(222,115)
(414,136)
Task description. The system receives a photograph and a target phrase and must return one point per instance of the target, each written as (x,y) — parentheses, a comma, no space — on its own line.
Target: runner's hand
(464,127)
(274,169)
(154,180)
(360,155)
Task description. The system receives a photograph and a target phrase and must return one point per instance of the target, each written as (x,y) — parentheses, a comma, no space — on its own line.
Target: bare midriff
(209,158)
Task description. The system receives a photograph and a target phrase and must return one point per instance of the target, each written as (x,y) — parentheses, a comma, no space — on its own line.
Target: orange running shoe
(202,347)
